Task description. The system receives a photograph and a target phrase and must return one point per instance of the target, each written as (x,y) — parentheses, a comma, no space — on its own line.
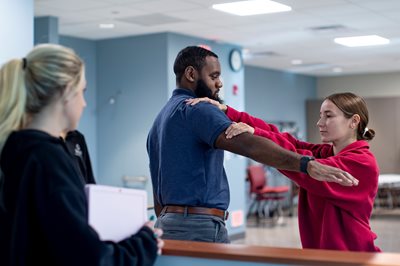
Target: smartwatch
(304,163)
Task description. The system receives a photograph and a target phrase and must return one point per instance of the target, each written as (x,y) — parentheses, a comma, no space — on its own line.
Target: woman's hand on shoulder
(195,101)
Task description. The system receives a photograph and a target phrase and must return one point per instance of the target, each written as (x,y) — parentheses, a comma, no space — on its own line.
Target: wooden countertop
(278,255)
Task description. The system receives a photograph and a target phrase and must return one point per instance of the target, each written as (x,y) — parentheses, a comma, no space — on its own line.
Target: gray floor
(385,223)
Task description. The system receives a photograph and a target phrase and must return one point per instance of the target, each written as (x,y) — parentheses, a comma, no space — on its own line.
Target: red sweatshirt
(331,216)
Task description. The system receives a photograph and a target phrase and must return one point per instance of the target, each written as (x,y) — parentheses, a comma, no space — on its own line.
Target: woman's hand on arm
(237,129)
(195,101)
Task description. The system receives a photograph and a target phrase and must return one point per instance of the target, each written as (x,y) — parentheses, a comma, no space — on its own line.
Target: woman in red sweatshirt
(331,216)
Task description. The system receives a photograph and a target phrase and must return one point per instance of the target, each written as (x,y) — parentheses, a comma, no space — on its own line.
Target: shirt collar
(180,91)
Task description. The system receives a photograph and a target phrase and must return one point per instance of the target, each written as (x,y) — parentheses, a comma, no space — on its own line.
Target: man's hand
(327,173)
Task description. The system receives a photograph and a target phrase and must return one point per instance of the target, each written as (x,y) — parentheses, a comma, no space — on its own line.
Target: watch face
(235,60)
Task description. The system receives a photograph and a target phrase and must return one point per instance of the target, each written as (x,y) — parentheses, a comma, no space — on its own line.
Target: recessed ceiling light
(106,26)
(297,62)
(252,7)
(367,40)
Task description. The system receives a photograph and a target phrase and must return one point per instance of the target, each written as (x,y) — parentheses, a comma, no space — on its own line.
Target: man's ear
(191,74)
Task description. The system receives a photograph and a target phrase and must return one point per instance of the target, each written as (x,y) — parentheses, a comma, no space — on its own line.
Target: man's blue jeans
(193,227)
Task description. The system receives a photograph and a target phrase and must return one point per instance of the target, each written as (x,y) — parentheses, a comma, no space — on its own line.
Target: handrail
(278,255)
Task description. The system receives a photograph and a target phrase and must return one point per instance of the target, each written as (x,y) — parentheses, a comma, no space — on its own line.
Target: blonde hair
(29,84)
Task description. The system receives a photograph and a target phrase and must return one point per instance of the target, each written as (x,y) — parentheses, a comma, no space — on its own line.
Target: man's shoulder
(177,105)
(206,113)
(204,108)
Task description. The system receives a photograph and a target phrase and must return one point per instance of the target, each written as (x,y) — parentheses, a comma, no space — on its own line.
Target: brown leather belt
(196,210)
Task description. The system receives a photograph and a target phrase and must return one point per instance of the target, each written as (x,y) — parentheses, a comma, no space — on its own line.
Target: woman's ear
(68,93)
(191,74)
(355,120)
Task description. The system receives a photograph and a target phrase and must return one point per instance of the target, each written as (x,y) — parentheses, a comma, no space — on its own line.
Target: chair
(264,195)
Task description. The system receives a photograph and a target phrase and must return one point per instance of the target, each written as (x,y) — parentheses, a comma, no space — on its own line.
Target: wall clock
(235,60)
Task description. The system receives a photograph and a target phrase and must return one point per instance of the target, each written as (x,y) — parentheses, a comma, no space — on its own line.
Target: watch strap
(304,163)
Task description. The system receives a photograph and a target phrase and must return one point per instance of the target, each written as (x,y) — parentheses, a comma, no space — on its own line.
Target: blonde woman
(44,212)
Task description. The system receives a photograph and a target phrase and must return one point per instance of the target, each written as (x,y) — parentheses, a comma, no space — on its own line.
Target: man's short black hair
(190,56)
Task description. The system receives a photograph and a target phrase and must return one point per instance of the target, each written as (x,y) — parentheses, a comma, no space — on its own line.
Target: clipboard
(114,212)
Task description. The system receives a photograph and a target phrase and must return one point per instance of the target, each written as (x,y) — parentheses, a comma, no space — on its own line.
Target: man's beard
(202,90)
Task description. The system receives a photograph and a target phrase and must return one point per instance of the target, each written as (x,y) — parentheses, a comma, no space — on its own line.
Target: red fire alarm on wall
(235,89)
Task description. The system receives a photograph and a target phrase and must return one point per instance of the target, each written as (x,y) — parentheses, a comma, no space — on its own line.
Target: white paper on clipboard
(116,213)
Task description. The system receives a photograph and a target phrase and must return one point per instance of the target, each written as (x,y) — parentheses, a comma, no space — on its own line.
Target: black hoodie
(76,145)
(44,210)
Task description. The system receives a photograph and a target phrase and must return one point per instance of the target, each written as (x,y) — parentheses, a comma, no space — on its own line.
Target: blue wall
(132,71)
(46,30)
(274,95)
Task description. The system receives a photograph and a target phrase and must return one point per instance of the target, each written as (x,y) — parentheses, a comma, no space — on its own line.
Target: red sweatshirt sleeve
(263,129)
(257,123)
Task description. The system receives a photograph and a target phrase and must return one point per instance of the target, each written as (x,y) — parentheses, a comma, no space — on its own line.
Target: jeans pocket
(221,233)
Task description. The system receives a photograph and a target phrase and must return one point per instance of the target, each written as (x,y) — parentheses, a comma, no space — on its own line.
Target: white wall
(366,85)
(16,29)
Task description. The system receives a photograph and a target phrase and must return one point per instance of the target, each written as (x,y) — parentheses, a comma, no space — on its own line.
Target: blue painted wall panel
(274,95)
(132,85)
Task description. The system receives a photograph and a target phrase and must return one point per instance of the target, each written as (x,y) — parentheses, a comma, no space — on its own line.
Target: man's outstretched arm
(267,152)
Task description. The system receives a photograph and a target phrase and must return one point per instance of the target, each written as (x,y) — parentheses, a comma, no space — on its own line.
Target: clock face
(235,60)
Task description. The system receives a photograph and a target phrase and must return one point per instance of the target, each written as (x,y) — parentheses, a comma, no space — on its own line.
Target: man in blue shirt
(185,147)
